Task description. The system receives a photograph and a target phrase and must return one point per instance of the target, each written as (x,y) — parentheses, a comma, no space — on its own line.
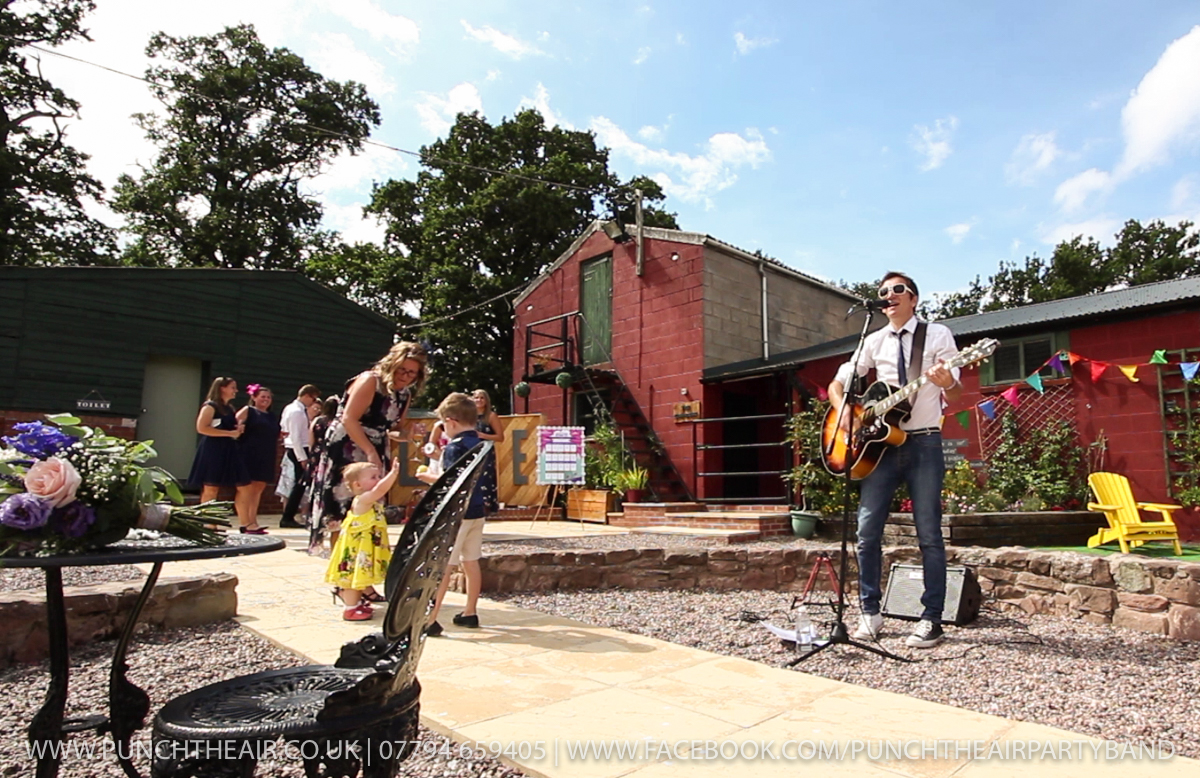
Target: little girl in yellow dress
(360,558)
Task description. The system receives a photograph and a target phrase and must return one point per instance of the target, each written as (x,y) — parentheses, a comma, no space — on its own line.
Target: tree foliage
(43,183)
(243,127)
(1141,255)
(459,238)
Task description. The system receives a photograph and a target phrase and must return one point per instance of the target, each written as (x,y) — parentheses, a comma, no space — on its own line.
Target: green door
(596,304)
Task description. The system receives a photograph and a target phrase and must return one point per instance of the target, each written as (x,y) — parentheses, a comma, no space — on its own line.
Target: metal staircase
(553,345)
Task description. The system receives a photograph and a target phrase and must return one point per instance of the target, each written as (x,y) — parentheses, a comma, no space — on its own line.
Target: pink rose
(53,480)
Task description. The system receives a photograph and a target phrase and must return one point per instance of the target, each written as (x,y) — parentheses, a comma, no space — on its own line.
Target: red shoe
(360,612)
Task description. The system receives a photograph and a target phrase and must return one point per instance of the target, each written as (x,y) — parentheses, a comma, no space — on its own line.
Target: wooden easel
(548,498)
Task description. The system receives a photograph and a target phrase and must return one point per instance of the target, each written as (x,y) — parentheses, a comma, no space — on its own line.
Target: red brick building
(1131,421)
(638,335)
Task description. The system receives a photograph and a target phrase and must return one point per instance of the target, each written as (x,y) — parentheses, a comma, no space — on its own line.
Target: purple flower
(38,439)
(24,511)
(73,519)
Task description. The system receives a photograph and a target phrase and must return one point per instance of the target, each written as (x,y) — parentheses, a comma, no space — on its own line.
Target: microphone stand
(838,635)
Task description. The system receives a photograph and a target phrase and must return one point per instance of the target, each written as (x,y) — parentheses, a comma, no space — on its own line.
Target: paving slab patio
(547,687)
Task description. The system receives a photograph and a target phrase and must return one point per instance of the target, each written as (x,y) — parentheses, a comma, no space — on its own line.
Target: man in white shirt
(296,442)
(918,461)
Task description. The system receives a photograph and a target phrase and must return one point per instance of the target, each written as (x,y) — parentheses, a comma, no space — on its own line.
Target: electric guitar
(877,421)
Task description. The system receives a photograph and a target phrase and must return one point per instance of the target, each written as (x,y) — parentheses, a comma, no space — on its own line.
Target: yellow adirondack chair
(1125,523)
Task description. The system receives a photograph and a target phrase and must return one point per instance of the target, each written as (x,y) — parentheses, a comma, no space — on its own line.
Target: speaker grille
(906,584)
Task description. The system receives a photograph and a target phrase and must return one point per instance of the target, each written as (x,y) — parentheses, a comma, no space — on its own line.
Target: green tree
(43,181)
(244,125)
(459,237)
(1141,255)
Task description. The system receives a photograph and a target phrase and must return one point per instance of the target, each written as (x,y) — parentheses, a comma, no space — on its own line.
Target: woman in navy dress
(259,447)
(489,428)
(217,461)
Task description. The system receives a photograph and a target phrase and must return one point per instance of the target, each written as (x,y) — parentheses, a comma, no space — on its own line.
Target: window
(1018,358)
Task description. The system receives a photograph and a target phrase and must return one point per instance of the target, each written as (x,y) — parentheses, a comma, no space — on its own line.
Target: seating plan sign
(560,455)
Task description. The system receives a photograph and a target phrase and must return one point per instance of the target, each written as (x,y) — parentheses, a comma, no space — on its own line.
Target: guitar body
(873,435)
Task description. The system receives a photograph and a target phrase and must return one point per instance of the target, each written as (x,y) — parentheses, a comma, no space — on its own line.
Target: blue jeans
(919,463)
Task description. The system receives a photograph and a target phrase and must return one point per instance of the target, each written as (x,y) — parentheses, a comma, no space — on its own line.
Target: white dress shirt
(879,351)
(296,435)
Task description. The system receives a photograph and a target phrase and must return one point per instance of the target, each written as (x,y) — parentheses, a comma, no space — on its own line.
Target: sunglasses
(894,289)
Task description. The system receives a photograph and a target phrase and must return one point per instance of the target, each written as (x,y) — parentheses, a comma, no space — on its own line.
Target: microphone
(876,304)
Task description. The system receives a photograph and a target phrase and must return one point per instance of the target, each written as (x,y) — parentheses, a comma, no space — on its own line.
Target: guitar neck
(900,395)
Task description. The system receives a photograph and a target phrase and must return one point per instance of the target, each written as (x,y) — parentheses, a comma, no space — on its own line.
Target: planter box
(1036,528)
(590,504)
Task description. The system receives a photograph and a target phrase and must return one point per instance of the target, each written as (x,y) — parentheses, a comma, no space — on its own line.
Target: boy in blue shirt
(458,415)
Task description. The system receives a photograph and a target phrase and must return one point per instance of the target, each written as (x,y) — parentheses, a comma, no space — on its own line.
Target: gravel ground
(14,579)
(195,657)
(1112,684)
(1091,679)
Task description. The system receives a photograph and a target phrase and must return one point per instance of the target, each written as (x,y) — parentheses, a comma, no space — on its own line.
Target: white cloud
(438,113)
(356,173)
(746,45)
(643,54)
(680,39)
(650,133)
(934,144)
(958,232)
(1163,113)
(697,178)
(505,44)
(1184,193)
(1074,192)
(541,101)
(1033,154)
(1102,229)
(399,31)
(338,58)
(354,227)
(492,75)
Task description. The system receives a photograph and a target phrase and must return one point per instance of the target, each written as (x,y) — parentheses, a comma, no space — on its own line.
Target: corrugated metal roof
(1161,294)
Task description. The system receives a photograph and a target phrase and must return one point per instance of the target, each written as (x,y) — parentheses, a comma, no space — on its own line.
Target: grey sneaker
(869,626)
(927,635)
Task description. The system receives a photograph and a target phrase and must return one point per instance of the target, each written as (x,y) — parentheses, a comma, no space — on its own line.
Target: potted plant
(818,491)
(603,460)
(632,483)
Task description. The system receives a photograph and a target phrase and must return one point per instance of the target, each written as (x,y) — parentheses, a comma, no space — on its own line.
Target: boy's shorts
(468,546)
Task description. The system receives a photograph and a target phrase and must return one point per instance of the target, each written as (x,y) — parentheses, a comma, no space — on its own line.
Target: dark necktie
(900,358)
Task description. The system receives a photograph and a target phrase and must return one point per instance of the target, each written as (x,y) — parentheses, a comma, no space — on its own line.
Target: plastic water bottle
(804,630)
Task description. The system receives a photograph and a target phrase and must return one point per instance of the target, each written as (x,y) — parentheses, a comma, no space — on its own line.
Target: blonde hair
(386,367)
(459,407)
(354,471)
(487,401)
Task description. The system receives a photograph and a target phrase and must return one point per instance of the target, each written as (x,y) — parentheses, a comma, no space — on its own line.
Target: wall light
(616,231)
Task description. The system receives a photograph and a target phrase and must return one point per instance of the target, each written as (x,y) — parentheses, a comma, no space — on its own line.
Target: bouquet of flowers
(65,487)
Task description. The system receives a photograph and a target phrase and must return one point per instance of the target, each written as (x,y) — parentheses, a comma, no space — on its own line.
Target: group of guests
(341,469)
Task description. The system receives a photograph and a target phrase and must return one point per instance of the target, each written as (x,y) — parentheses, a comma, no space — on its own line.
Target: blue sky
(844,139)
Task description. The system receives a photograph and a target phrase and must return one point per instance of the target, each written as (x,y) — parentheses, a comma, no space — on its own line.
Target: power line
(425,159)
(441,319)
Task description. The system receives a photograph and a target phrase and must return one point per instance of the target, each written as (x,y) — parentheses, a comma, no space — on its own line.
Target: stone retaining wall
(1126,590)
(99,611)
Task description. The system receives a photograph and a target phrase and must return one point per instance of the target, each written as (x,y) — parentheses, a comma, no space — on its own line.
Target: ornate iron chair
(359,714)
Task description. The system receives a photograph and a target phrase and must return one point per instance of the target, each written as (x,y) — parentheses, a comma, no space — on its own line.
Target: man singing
(917,462)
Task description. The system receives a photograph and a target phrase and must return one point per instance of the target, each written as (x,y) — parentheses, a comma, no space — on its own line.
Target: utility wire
(425,159)
(448,317)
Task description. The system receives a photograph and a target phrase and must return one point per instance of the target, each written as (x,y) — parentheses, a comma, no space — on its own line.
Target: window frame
(1059,341)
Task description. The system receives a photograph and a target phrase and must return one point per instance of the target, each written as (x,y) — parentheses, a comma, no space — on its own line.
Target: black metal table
(128,705)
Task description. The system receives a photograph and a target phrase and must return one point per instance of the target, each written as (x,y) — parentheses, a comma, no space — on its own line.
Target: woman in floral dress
(375,402)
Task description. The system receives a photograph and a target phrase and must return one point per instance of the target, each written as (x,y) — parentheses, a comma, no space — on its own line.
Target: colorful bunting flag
(964,419)
(1189,369)
(1056,364)
(1097,369)
(1159,357)
(1035,381)
(1011,394)
(1072,357)
(1130,372)
(989,409)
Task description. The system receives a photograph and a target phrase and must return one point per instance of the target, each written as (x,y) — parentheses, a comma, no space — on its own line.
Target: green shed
(136,348)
